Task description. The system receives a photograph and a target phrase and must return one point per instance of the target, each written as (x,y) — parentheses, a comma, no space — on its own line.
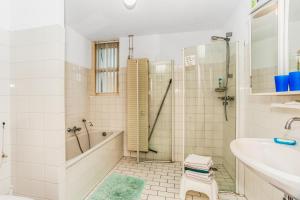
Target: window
(106,68)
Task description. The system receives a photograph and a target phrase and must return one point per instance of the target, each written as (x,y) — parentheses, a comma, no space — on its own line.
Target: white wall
(5,14)
(165,46)
(5,164)
(36,13)
(154,47)
(78,49)
(238,23)
(257,119)
(4,111)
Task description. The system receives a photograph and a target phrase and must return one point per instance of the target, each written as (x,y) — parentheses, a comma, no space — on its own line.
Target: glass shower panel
(194,103)
(206,130)
(160,112)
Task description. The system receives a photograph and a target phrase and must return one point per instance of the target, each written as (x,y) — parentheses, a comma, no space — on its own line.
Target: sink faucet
(288,125)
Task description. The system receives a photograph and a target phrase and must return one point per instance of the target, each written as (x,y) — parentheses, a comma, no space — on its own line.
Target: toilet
(11,197)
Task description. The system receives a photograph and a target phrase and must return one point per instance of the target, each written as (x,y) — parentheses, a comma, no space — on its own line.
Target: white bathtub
(10,197)
(85,171)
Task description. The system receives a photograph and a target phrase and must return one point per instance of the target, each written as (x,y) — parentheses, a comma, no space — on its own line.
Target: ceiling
(109,19)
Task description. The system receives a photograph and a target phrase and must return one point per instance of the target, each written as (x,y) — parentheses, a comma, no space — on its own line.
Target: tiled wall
(5,175)
(37,106)
(108,112)
(178,109)
(76,96)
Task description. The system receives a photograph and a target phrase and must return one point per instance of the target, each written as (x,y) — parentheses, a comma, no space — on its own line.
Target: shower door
(206,132)
(160,112)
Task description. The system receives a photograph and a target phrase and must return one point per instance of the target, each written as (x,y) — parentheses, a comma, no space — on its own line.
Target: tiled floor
(225,182)
(162,180)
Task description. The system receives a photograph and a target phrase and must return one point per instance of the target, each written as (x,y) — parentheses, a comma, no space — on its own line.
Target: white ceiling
(109,19)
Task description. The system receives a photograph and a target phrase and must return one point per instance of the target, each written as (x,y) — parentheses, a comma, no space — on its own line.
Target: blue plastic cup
(294,81)
(282,83)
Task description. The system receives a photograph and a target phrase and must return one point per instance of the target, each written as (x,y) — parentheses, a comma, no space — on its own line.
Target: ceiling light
(130,4)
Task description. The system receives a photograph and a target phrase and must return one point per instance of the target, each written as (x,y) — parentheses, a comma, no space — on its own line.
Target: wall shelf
(277,93)
(287,106)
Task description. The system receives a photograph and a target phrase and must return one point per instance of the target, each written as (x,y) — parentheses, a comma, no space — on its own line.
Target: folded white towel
(196,159)
(292,103)
(207,178)
(200,167)
(203,175)
(200,179)
(198,162)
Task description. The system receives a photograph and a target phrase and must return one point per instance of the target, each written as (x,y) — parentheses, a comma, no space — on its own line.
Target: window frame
(94,70)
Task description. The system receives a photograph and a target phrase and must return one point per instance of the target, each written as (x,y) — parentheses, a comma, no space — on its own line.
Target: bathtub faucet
(74,129)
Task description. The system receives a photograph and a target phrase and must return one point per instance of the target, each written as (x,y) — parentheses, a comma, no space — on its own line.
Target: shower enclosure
(206,130)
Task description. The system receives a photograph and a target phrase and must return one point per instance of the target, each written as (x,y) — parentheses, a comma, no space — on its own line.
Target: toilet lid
(6,197)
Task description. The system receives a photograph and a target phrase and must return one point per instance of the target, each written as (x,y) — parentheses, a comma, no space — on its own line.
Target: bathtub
(85,170)
(10,197)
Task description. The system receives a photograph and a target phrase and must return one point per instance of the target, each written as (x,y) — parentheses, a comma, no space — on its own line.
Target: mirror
(294,35)
(264,47)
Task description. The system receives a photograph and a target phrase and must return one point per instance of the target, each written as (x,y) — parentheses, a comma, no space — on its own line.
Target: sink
(277,164)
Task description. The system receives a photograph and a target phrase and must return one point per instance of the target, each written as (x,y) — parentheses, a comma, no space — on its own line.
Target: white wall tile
(37,107)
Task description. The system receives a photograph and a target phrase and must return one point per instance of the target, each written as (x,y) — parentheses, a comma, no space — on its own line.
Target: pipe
(3,130)
(87,131)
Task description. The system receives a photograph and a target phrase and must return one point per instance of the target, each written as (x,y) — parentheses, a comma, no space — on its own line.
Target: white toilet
(10,197)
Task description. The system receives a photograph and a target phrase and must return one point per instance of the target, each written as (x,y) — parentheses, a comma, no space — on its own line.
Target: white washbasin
(277,164)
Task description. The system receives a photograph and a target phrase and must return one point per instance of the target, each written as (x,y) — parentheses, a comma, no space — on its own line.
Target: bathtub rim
(73,161)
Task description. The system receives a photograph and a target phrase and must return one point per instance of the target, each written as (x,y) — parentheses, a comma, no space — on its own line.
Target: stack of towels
(199,168)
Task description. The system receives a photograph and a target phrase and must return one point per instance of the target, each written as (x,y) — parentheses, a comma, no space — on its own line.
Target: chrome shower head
(227,39)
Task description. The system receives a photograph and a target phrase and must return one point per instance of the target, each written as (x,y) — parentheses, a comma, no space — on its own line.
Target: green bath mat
(119,187)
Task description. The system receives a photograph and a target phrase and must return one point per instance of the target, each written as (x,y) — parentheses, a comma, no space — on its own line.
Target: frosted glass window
(107,67)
